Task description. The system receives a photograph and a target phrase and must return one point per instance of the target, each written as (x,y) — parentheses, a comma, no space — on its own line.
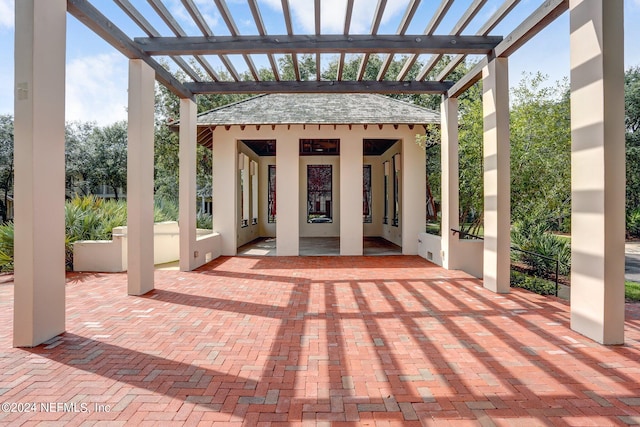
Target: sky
(96,74)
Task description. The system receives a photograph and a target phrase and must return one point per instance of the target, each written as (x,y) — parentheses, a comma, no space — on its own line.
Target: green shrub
(632,291)
(6,247)
(204,220)
(532,236)
(633,223)
(165,209)
(533,284)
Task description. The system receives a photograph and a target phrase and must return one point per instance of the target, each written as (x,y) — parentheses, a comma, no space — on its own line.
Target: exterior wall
(392,233)
(251,231)
(469,253)
(389,231)
(111,255)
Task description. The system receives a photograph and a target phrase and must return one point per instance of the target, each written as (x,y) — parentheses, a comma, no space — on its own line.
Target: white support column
(140,178)
(187,220)
(597,169)
(287,193)
(497,203)
(450,182)
(351,228)
(413,203)
(225,191)
(39,304)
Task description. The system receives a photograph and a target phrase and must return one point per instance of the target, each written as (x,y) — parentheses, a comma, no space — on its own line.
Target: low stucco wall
(111,255)
(468,256)
(430,247)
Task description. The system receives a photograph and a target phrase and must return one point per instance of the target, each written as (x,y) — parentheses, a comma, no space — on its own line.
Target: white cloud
(7,9)
(97,88)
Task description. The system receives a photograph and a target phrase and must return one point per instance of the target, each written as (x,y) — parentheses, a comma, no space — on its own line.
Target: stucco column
(450,181)
(187,153)
(287,188)
(413,209)
(225,191)
(351,175)
(39,302)
(497,203)
(140,178)
(597,169)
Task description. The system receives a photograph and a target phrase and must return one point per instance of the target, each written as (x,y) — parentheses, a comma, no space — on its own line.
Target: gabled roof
(331,109)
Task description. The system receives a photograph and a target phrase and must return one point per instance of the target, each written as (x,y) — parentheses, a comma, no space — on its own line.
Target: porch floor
(289,341)
(320,246)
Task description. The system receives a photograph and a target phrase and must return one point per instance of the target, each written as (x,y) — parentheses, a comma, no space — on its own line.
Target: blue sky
(97,74)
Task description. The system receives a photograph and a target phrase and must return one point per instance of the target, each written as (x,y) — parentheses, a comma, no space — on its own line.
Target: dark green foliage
(533,284)
(204,221)
(633,223)
(6,247)
(6,162)
(534,236)
(632,291)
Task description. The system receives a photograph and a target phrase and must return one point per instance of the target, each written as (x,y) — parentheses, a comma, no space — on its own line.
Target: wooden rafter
(201,23)
(377,18)
(108,31)
(233,29)
(531,26)
(174,26)
(257,17)
(142,22)
(347,25)
(182,45)
(287,20)
(429,30)
(462,23)
(318,24)
(328,43)
(254,87)
(491,23)
(412,7)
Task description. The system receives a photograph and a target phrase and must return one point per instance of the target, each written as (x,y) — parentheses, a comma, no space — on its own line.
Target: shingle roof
(330,109)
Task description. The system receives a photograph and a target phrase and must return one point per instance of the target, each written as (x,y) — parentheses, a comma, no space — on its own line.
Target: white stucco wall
(111,255)
(235,134)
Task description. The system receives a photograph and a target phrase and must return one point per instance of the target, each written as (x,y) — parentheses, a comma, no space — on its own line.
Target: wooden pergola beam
(108,31)
(536,22)
(331,43)
(343,86)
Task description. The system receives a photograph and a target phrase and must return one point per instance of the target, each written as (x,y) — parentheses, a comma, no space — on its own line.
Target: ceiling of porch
(170,35)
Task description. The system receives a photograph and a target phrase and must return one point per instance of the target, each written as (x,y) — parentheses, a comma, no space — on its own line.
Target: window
(385,219)
(253,171)
(243,165)
(396,190)
(319,194)
(271,195)
(319,147)
(367,214)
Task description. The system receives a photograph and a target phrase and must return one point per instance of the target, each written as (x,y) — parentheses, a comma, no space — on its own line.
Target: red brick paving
(340,341)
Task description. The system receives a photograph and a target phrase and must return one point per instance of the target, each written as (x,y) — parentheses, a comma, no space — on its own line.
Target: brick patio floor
(316,341)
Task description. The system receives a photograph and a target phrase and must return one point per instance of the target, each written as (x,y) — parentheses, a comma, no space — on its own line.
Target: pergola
(597,121)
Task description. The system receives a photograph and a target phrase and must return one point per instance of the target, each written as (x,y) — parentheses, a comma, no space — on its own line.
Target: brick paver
(315,341)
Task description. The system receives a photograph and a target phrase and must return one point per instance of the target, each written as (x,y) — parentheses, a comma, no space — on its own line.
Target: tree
(107,156)
(77,167)
(541,152)
(632,142)
(6,161)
